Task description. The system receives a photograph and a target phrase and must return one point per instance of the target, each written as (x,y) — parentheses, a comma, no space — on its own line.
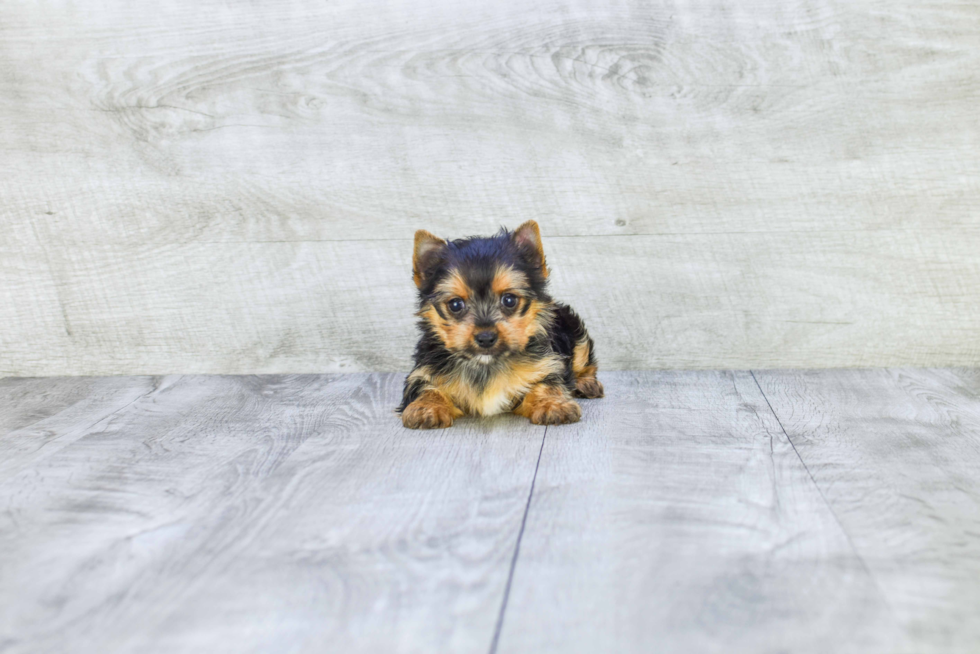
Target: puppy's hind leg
(574,342)
(585,368)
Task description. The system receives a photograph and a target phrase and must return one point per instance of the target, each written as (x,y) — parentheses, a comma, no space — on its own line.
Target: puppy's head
(484,298)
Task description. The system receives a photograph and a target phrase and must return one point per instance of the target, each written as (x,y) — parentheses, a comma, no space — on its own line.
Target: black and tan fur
(535,353)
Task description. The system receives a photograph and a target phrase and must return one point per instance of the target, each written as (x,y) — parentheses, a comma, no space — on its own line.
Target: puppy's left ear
(429,249)
(528,238)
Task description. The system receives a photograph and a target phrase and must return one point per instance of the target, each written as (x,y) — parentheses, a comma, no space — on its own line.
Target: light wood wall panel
(206,187)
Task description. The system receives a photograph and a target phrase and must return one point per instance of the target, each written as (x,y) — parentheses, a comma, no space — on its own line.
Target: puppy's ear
(528,239)
(429,250)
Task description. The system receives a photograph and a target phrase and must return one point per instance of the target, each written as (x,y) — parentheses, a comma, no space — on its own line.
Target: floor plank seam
(850,542)
(517,551)
(85,431)
(157,379)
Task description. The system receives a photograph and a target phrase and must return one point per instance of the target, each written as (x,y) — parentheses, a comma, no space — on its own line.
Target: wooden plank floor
(788,511)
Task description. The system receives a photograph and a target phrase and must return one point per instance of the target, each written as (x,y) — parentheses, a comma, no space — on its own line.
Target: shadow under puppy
(493,340)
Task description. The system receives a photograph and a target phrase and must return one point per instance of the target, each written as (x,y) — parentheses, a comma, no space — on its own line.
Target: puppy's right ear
(429,250)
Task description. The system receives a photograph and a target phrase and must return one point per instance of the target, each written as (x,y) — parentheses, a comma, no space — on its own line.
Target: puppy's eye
(456,305)
(509,300)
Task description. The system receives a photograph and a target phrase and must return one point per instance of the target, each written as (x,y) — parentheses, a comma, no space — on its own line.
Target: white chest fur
(503,387)
(495,401)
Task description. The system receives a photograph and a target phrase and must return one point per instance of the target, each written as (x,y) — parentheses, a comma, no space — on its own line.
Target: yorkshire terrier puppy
(493,340)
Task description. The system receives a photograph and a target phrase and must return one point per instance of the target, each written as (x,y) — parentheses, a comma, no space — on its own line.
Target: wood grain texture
(213,188)
(224,514)
(676,517)
(294,513)
(307,307)
(897,455)
(27,401)
(40,417)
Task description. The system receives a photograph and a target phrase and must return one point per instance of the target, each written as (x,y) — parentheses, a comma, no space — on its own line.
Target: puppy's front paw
(429,411)
(589,387)
(555,412)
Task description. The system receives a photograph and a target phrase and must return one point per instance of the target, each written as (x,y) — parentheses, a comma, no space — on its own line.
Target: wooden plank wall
(233,187)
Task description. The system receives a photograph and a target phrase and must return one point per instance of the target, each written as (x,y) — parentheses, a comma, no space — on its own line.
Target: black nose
(486,339)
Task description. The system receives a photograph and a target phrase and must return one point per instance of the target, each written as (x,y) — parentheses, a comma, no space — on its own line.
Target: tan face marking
(455,335)
(507,279)
(454,286)
(516,330)
(515,327)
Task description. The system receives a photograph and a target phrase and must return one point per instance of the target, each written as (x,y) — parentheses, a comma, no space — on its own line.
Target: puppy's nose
(486,339)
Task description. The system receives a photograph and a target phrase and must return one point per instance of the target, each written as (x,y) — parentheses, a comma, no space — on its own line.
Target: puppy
(492,338)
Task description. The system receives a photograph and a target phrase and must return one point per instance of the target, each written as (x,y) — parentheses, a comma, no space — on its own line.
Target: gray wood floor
(795,511)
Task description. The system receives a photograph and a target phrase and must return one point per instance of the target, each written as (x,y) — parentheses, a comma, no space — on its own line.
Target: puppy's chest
(493,401)
(503,389)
